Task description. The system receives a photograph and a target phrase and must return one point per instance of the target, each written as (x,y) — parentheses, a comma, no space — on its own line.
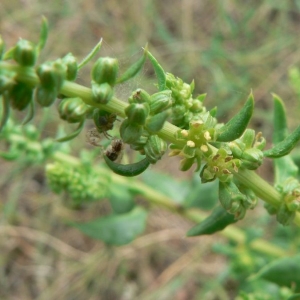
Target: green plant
(228,153)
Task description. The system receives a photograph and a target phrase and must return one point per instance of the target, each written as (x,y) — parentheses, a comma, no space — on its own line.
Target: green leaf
(114,229)
(90,55)
(218,220)
(73,134)
(284,147)
(134,69)
(128,170)
(283,272)
(43,35)
(294,297)
(159,71)
(237,125)
(279,120)
(121,199)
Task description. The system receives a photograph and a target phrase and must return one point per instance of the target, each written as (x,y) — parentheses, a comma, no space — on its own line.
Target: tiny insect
(104,121)
(114,150)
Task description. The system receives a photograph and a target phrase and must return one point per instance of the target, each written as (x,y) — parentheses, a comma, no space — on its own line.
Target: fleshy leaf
(235,127)
(283,272)
(159,71)
(218,220)
(116,229)
(284,147)
(128,170)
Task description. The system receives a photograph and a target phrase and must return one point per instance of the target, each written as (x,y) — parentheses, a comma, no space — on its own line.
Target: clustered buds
(184,106)
(80,184)
(104,77)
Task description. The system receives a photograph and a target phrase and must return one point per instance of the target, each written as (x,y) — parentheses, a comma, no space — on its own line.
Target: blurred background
(229,48)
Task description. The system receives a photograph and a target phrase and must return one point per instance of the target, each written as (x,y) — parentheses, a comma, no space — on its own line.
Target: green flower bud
(139,96)
(186,164)
(45,97)
(72,110)
(272,210)
(251,199)
(72,67)
(237,148)
(230,197)
(248,138)
(252,158)
(102,93)
(156,123)
(139,144)
(137,113)
(105,70)
(103,120)
(6,81)
(207,175)
(284,215)
(20,96)
(52,75)
(130,132)
(178,113)
(160,101)
(155,148)
(25,53)
(293,206)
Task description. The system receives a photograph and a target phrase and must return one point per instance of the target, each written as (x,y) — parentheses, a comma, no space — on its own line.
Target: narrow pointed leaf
(30,114)
(283,272)
(116,229)
(284,147)
(73,134)
(218,220)
(128,170)
(90,56)
(159,71)
(134,69)
(237,125)
(43,35)
(284,167)
(5,110)
(279,121)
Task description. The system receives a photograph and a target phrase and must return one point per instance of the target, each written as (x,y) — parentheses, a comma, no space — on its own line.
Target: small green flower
(72,110)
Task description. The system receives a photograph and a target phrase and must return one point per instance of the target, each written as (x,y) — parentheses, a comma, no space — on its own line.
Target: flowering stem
(248,178)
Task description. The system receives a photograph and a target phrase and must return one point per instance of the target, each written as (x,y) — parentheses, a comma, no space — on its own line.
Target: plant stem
(248,178)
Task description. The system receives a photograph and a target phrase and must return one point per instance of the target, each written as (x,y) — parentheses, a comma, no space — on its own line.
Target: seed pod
(72,110)
(25,53)
(156,123)
(137,113)
(52,75)
(155,148)
(102,93)
(45,97)
(70,61)
(160,101)
(129,170)
(105,70)
(237,125)
(20,96)
(130,132)
(139,96)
